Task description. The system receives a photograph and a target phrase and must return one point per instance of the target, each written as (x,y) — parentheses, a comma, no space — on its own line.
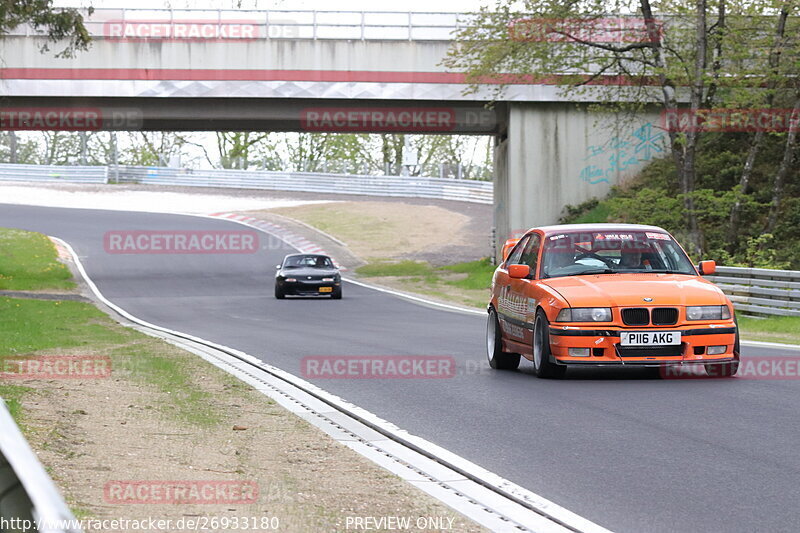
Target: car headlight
(291,279)
(584,314)
(328,279)
(708,312)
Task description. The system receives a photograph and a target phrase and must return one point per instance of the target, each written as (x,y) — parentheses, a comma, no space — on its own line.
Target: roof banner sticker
(614,237)
(657,236)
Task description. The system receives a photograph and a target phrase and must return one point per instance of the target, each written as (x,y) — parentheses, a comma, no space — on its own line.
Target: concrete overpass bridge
(320,71)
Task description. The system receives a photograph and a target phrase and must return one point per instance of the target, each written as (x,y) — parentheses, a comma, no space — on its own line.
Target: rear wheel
(542,366)
(279,292)
(498,359)
(726,370)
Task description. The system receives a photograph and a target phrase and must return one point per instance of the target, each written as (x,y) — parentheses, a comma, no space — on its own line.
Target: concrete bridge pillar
(556,154)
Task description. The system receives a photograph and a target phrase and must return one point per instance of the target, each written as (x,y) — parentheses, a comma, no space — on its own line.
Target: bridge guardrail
(160,23)
(760,291)
(54,173)
(26,491)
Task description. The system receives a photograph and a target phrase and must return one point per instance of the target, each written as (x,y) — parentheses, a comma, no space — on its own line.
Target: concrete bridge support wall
(558,154)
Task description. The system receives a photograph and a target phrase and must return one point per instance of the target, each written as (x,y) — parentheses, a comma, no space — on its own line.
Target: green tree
(671,53)
(57,24)
(25,149)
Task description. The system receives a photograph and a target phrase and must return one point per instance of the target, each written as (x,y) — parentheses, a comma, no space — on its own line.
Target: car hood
(305,272)
(625,290)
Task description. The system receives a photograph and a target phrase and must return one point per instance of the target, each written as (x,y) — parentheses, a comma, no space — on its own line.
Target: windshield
(308,261)
(611,252)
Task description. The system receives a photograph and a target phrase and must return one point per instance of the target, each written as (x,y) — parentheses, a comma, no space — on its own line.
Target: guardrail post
(82,136)
(314,24)
(12,147)
(114,156)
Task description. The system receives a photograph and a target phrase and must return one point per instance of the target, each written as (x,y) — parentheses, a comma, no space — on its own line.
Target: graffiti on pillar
(620,153)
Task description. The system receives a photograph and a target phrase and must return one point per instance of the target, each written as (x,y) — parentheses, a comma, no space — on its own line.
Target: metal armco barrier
(401,186)
(54,173)
(26,491)
(760,291)
(414,187)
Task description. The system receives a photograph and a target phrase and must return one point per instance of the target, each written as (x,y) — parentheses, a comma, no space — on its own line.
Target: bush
(654,198)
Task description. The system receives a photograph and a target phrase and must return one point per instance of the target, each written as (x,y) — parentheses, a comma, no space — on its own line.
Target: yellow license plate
(326,289)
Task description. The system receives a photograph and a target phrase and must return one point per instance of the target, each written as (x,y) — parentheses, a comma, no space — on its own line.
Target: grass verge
(380,229)
(41,327)
(784,329)
(165,414)
(463,283)
(29,262)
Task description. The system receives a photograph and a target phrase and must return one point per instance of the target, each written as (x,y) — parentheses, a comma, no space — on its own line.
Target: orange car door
(515,308)
(525,289)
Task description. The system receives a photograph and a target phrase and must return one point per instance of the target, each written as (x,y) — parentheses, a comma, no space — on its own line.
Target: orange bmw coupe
(607,295)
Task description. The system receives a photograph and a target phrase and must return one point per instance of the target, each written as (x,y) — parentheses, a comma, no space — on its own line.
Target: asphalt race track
(625,449)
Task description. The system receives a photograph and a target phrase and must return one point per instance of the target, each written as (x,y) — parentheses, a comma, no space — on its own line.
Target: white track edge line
(503,486)
(765,344)
(449,491)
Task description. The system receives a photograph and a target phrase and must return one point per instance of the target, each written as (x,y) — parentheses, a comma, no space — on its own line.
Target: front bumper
(309,288)
(605,350)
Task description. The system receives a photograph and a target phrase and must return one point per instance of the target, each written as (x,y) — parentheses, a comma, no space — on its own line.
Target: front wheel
(498,359)
(542,365)
(279,293)
(336,294)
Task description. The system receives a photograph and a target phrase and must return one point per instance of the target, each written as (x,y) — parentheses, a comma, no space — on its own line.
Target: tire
(498,359)
(726,370)
(336,294)
(279,293)
(542,366)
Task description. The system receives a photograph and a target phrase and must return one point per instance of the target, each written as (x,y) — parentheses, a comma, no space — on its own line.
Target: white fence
(26,491)
(53,173)
(760,291)
(400,186)
(443,189)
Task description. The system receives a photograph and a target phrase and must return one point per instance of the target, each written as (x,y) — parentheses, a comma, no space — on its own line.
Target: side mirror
(707,267)
(278,267)
(519,271)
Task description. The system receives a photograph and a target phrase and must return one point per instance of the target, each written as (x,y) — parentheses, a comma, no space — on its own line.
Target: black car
(308,275)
